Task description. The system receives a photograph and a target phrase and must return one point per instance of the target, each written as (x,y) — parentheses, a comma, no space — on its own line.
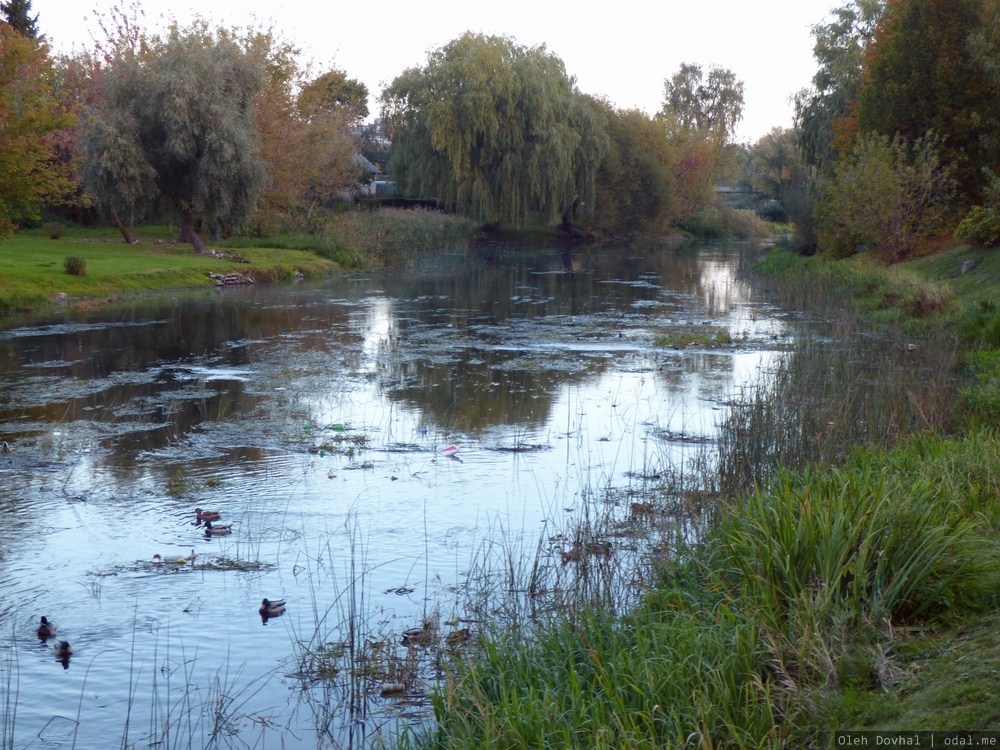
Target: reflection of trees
(129,371)
(475,341)
(502,303)
(484,389)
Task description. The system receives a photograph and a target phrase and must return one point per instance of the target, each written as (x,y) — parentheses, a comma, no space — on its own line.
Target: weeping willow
(494,130)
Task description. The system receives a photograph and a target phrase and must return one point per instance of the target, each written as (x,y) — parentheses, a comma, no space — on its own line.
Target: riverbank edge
(933,672)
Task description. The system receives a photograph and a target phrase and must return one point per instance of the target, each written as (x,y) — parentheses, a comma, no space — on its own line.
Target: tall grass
(389,237)
(799,590)
(861,386)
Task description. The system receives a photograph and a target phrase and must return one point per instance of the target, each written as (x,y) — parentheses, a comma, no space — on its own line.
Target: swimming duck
(457,637)
(269,608)
(46,629)
(174,559)
(220,529)
(417,636)
(207,515)
(62,649)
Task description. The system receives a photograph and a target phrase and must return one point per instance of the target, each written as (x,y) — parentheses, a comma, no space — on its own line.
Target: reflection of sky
(376,328)
(553,389)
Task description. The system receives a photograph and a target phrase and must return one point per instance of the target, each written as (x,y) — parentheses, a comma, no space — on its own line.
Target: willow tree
(176,123)
(495,130)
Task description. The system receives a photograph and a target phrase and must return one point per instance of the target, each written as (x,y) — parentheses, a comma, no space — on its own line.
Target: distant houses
(373,167)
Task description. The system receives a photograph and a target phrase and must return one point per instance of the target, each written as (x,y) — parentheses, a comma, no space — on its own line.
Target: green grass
(832,601)
(32,267)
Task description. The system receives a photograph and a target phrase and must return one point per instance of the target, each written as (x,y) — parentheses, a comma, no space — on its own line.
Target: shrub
(981,225)
(53,229)
(884,196)
(75,265)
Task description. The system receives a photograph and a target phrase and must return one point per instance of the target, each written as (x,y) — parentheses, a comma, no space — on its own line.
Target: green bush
(75,265)
(981,226)
(53,229)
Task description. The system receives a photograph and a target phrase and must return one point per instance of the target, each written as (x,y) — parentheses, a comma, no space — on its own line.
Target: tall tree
(920,77)
(494,130)
(178,122)
(635,184)
(306,144)
(333,91)
(778,170)
(822,111)
(18,14)
(984,42)
(31,176)
(711,104)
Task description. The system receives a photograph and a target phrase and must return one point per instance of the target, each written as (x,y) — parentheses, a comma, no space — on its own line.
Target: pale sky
(622,51)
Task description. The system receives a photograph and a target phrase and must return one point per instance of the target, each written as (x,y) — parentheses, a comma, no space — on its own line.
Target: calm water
(315,418)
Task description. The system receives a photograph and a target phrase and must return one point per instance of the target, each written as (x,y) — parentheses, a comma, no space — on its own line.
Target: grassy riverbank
(91,266)
(33,271)
(848,577)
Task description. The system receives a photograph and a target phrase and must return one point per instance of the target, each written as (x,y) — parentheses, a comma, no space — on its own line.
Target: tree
(886,195)
(984,41)
(822,112)
(921,76)
(308,149)
(777,169)
(30,174)
(712,104)
(18,14)
(494,130)
(335,92)
(635,184)
(177,122)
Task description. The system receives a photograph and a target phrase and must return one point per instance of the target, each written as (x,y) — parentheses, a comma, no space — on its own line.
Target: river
(371,438)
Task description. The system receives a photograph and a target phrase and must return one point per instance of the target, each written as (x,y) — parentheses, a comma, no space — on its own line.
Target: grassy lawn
(33,272)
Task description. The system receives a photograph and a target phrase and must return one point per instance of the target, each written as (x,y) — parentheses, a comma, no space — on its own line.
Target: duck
(272,607)
(458,637)
(62,649)
(46,629)
(174,559)
(417,636)
(220,529)
(207,515)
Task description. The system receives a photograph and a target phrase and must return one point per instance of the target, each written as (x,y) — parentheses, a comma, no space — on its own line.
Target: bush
(886,196)
(981,226)
(53,229)
(75,265)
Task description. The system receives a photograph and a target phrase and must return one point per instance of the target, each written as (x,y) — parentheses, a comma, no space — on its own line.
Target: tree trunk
(128,232)
(188,233)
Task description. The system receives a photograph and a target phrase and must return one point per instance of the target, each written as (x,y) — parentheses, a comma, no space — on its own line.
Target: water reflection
(315,417)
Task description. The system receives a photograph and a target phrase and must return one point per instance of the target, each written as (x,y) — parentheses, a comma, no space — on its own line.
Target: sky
(621,51)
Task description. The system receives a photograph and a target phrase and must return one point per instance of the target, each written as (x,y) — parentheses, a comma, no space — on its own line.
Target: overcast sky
(620,50)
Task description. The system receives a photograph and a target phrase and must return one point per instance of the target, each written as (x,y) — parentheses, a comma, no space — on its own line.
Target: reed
(853,385)
(389,237)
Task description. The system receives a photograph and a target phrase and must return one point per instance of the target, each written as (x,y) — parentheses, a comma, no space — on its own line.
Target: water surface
(315,417)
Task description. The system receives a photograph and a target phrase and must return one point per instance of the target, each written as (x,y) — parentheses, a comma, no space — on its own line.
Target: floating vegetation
(178,485)
(522,448)
(704,336)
